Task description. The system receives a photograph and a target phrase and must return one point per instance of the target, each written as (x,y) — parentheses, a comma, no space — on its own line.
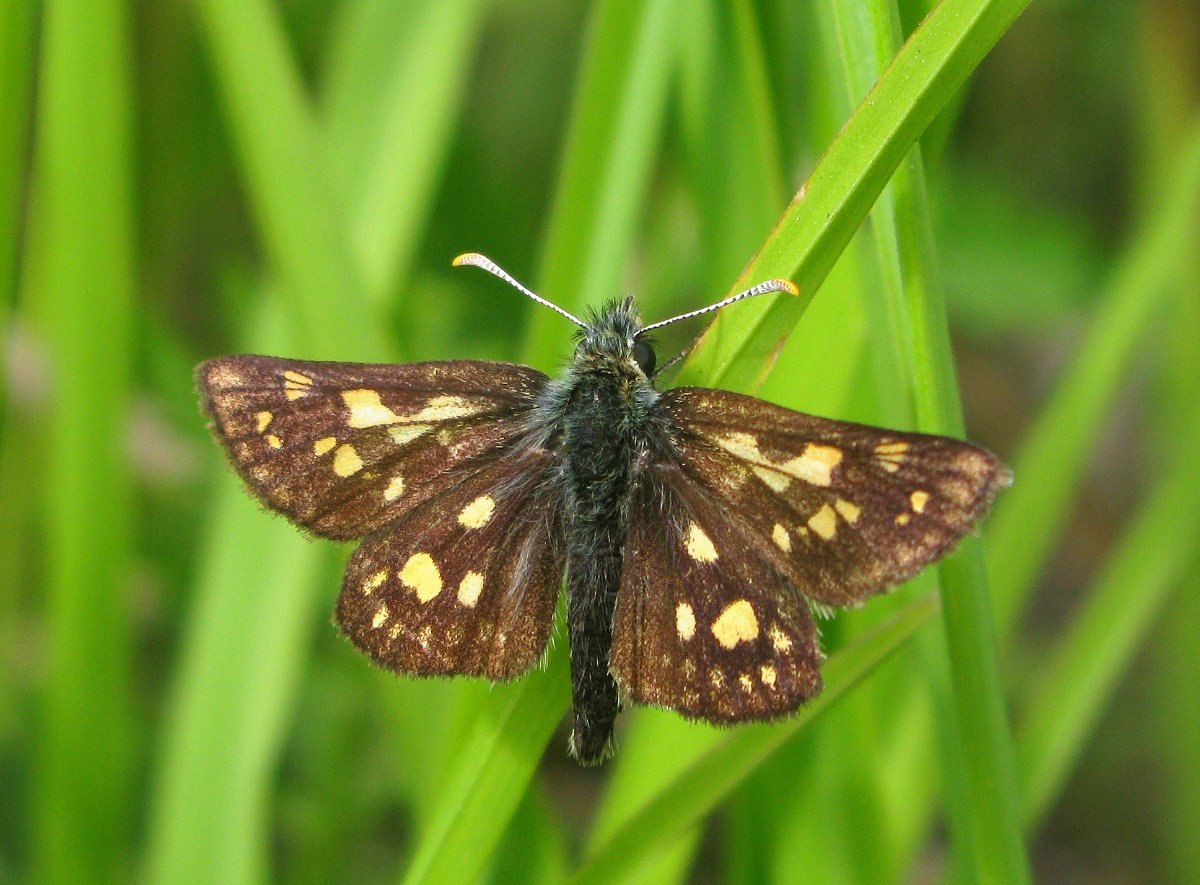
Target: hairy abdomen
(599,455)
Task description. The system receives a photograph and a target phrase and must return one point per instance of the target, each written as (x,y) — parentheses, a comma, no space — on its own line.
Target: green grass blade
(495,764)
(816,227)
(1054,452)
(390,151)
(79,285)
(233,694)
(616,126)
(1149,561)
(698,790)
(286,172)
(17,21)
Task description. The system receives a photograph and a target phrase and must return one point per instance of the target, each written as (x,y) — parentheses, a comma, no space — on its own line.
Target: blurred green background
(180,180)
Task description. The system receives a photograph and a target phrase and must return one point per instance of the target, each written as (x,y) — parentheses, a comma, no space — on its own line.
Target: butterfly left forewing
(704,625)
(342,448)
(844,510)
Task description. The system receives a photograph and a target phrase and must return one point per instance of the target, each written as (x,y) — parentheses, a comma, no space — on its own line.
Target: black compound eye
(643,355)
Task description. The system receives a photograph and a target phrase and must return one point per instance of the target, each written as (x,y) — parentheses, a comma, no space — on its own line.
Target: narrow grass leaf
(81,246)
(1083,671)
(1055,451)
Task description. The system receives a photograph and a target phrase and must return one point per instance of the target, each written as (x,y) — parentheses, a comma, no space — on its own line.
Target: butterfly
(698,529)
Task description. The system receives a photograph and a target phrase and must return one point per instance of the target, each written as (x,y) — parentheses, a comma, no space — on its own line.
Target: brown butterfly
(697,528)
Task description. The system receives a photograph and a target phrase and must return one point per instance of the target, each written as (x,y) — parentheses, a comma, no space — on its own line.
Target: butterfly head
(612,338)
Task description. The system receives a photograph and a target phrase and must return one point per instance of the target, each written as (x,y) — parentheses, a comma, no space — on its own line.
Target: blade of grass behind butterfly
(18,429)
(616,121)
(616,128)
(81,240)
(696,791)
(1080,674)
(814,229)
(1054,452)
(728,135)
(220,793)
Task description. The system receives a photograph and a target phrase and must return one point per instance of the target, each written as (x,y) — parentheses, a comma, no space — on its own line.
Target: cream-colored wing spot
(780,641)
(406,433)
(848,511)
(469,589)
(746,683)
(903,518)
(890,455)
(274,442)
(381,616)
(918,500)
(421,575)
(373,583)
(737,623)
(324,445)
(824,522)
(346,461)
(814,465)
(478,513)
(779,534)
(263,420)
(296,385)
(685,621)
(767,673)
(773,479)
(445,408)
(366,409)
(394,489)
(699,545)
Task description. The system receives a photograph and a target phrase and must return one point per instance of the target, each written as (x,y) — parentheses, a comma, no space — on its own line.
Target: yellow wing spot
(891,454)
(774,480)
(469,589)
(274,442)
(366,409)
(263,419)
(295,385)
(421,575)
(394,631)
(405,433)
(815,464)
(685,621)
(346,461)
(746,683)
(740,445)
(395,489)
(478,513)
(848,511)
(445,408)
(903,518)
(324,445)
(780,641)
(373,583)
(381,616)
(736,624)
(767,674)
(717,678)
(824,522)
(699,545)
(782,539)
(918,501)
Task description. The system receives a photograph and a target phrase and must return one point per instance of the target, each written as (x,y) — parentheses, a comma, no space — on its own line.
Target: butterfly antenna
(761,289)
(477,260)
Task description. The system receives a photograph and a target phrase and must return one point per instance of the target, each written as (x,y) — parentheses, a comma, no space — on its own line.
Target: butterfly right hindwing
(704,625)
(466,583)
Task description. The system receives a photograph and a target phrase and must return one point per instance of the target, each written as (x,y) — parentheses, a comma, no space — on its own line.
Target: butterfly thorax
(603,409)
